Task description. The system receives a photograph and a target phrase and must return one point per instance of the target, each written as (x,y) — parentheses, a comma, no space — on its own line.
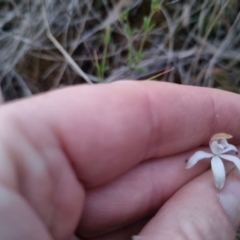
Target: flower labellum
(219,146)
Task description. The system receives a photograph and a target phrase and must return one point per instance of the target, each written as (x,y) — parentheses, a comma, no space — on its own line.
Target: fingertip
(229,198)
(194,212)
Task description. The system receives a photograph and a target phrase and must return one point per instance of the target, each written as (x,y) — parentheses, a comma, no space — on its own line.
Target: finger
(105,130)
(18,221)
(197,212)
(135,195)
(44,181)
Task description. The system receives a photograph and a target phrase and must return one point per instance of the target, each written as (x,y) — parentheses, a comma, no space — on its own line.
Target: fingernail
(229,198)
(138,238)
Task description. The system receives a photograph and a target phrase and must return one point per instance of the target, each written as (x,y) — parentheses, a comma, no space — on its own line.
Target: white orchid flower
(219,146)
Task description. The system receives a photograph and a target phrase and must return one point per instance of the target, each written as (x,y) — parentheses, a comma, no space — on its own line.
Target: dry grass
(200,39)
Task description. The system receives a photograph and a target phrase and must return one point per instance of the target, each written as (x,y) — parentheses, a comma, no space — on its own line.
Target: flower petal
(196,157)
(215,147)
(231,158)
(218,172)
(230,147)
(221,135)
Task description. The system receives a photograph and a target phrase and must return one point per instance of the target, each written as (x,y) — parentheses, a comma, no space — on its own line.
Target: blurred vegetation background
(47,44)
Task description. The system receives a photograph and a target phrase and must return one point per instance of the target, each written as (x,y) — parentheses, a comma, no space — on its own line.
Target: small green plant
(148,26)
(129,33)
(101,65)
(134,58)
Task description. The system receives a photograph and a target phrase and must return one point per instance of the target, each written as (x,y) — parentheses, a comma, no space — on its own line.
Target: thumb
(198,211)
(230,198)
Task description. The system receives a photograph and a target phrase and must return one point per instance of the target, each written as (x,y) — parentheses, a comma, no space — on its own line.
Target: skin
(109,161)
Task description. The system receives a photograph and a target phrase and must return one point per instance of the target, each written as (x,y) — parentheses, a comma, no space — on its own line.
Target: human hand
(110,159)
